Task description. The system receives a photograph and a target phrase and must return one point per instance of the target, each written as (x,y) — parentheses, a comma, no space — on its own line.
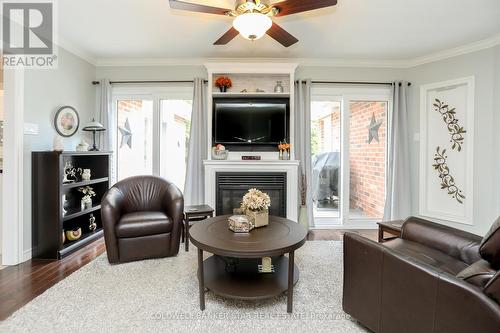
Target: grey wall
(483,65)
(45,91)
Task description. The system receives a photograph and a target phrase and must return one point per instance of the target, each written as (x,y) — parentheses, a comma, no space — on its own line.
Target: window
(152,132)
(349,147)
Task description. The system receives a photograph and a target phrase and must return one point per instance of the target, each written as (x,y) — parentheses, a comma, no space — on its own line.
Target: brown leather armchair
(432,279)
(142,218)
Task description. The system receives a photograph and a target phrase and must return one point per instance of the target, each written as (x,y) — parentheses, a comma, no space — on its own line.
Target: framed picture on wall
(66,121)
(447,150)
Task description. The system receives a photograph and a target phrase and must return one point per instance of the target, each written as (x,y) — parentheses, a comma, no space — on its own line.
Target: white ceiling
(354,29)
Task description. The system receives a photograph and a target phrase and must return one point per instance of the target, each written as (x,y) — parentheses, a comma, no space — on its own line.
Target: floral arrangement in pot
(256,205)
(223,83)
(284,149)
(88,193)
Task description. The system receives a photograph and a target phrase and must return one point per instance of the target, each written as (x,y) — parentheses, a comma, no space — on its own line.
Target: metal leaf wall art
(447,180)
(456,131)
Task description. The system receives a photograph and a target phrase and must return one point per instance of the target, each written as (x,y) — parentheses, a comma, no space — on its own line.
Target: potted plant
(223,83)
(88,193)
(256,205)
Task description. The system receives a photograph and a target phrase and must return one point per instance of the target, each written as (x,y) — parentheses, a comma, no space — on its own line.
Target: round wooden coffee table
(233,272)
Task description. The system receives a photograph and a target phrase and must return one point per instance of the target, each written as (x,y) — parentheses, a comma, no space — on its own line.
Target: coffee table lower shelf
(246,282)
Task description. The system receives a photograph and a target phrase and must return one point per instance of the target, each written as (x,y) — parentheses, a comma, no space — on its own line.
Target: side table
(391,227)
(193,214)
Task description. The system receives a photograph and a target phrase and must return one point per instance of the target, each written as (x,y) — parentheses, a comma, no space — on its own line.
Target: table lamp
(94,127)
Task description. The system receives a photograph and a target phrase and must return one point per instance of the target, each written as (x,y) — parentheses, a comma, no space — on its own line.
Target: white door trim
(12,192)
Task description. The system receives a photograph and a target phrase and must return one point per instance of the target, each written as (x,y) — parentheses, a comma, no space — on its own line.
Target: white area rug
(162,295)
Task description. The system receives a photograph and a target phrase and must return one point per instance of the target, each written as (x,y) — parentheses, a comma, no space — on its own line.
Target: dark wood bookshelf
(49,219)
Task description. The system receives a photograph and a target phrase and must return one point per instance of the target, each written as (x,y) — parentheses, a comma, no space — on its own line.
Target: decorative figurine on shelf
(256,205)
(65,204)
(88,193)
(73,235)
(94,127)
(85,174)
(58,145)
(82,146)
(284,149)
(92,224)
(70,173)
(278,88)
(223,83)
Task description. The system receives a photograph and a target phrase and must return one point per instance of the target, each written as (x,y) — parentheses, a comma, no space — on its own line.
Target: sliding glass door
(135,137)
(348,144)
(152,132)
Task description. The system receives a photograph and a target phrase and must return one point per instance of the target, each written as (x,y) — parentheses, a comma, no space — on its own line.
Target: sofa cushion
(489,249)
(478,274)
(143,224)
(427,255)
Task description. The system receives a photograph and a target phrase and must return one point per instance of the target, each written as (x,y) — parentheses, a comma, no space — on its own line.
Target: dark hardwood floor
(22,283)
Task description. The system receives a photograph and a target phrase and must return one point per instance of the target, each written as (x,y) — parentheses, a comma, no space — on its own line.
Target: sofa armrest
(390,292)
(459,244)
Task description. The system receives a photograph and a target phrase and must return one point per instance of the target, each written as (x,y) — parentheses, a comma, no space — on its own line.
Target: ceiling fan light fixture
(252,26)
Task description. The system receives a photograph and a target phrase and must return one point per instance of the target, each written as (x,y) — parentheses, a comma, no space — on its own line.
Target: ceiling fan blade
(281,35)
(289,7)
(227,37)
(192,7)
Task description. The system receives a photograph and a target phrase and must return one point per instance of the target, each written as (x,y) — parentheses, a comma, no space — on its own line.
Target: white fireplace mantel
(290,167)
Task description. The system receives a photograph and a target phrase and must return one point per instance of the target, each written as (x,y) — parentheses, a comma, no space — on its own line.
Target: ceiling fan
(252,18)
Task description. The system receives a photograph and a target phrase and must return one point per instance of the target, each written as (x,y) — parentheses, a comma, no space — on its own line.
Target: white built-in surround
(290,167)
(252,76)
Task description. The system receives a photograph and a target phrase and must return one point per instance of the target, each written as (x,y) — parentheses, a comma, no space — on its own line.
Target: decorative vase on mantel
(260,218)
(223,89)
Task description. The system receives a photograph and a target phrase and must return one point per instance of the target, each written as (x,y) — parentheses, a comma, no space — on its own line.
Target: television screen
(250,122)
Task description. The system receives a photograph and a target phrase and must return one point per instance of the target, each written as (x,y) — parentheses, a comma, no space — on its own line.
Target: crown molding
(72,48)
(456,51)
(147,62)
(312,62)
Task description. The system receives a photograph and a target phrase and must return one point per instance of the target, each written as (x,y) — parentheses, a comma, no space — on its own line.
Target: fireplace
(231,186)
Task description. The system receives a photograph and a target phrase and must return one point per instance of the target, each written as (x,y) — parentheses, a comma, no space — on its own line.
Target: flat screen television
(256,124)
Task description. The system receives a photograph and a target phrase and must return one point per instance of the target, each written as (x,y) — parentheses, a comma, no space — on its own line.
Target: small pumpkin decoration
(73,235)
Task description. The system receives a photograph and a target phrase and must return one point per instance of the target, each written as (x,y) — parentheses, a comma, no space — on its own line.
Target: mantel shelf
(249,94)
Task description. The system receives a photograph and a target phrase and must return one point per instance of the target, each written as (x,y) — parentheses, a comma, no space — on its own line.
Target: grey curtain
(303,141)
(194,190)
(398,194)
(104,114)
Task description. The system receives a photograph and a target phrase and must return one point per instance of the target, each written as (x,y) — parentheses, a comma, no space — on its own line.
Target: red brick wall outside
(367,161)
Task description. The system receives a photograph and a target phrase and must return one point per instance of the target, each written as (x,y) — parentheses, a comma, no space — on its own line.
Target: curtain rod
(205,81)
(145,82)
(354,82)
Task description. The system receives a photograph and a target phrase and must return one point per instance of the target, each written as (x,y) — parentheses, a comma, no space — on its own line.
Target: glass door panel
(174,139)
(134,137)
(326,163)
(367,158)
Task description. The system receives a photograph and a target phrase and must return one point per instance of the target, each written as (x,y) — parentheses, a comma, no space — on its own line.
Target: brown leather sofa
(142,218)
(434,279)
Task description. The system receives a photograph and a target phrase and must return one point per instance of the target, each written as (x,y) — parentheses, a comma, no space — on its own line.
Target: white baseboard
(27,255)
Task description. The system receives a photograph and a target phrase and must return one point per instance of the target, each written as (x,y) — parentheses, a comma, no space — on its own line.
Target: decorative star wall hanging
(373,129)
(126,135)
